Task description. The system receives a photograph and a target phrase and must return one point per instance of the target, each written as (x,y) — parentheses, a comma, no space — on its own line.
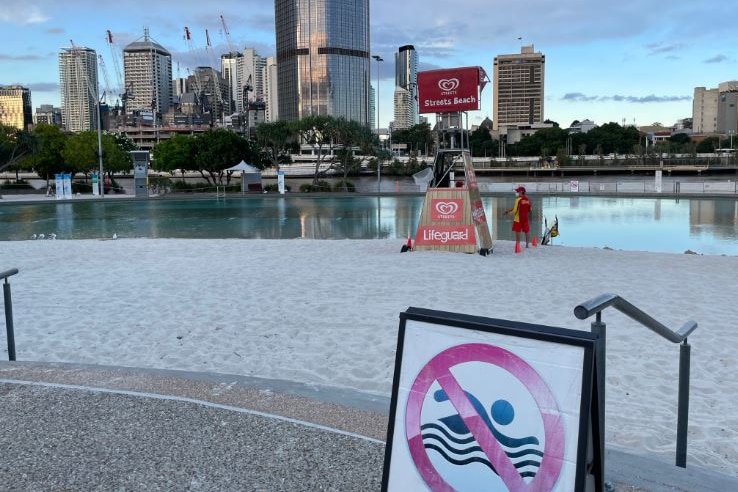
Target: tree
(481,143)
(318,131)
(217,150)
(708,145)
(47,157)
(275,139)
(80,154)
(15,145)
(349,134)
(177,152)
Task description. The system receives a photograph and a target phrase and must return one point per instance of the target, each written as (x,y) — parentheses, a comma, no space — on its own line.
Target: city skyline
(619,62)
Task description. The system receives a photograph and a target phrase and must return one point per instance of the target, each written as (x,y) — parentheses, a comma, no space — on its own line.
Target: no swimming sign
(486,404)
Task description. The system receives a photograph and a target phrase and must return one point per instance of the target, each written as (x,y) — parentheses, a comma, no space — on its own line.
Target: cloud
(22,13)
(660,48)
(7,57)
(717,59)
(44,87)
(579,97)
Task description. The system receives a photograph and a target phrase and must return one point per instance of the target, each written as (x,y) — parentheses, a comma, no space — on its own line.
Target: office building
(727,111)
(716,110)
(704,110)
(323,58)
(373,123)
(254,73)
(518,89)
(15,107)
(406,87)
(78,88)
(271,92)
(47,114)
(404,115)
(231,68)
(147,68)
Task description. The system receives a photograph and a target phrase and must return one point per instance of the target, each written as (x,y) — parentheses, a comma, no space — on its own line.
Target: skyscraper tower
(147,68)
(78,85)
(518,84)
(406,87)
(271,93)
(231,67)
(323,58)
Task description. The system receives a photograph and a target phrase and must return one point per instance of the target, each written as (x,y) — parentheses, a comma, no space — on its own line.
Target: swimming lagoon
(704,225)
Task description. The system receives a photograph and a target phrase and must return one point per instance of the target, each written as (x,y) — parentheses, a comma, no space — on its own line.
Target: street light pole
(378,59)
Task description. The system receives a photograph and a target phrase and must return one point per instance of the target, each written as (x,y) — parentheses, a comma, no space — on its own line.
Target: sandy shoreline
(326,313)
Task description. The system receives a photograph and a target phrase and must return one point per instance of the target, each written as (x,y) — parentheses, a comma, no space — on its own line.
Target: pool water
(708,226)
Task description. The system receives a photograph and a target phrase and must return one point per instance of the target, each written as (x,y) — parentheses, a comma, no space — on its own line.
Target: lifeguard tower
(452,218)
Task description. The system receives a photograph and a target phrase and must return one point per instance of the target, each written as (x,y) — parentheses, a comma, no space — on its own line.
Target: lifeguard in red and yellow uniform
(521,211)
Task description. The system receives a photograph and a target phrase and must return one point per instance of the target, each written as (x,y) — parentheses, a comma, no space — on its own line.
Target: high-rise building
(406,87)
(253,72)
(271,92)
(147,68)
(727,111)
(518,84)
(704,110)
(323,58)
(15,107)
(49,115)
(404,114)
(373,123)
(78,87)
(716,110)
(231,67)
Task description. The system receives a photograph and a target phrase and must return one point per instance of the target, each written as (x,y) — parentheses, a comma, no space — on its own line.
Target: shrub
(349,186)
(322,186)
(81,187)
(274,187)
(16,185)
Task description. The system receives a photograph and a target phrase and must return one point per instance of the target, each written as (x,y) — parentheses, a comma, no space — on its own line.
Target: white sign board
(280,182)
(483,404)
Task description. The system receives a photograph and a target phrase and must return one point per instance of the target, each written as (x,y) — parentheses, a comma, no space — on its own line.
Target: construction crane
(248,87)
(216,80)
(198,83)
(125,95)
(94,96)
(104,71)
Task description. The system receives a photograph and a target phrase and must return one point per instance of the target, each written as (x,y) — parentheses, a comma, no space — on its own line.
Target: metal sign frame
(585,471)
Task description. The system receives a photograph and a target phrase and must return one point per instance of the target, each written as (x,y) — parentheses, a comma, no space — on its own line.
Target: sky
(630,61)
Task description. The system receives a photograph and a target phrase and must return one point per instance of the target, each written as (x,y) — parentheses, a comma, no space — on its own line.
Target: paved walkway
(74,427)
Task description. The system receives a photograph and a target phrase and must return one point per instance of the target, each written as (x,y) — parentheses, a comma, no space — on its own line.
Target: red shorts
(521,227)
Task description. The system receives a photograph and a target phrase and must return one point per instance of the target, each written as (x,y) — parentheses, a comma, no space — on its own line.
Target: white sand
(326,313)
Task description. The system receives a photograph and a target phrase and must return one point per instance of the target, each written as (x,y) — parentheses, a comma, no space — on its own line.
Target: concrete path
(74,427)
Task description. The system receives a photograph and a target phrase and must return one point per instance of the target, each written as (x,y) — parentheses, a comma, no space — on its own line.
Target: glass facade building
(323,58)
(15,107)
(406,87)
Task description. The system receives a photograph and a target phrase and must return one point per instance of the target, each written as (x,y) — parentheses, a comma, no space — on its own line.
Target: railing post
(600,329)
(683,404)
(9,320)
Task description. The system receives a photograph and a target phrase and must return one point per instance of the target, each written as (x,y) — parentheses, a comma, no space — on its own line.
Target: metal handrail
(597,304)
(9,311)
(603,301)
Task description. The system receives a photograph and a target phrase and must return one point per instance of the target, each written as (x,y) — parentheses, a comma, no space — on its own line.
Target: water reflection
(707,226)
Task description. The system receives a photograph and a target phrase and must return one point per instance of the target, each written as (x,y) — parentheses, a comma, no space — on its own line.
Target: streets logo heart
(447,208)
(448,85)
